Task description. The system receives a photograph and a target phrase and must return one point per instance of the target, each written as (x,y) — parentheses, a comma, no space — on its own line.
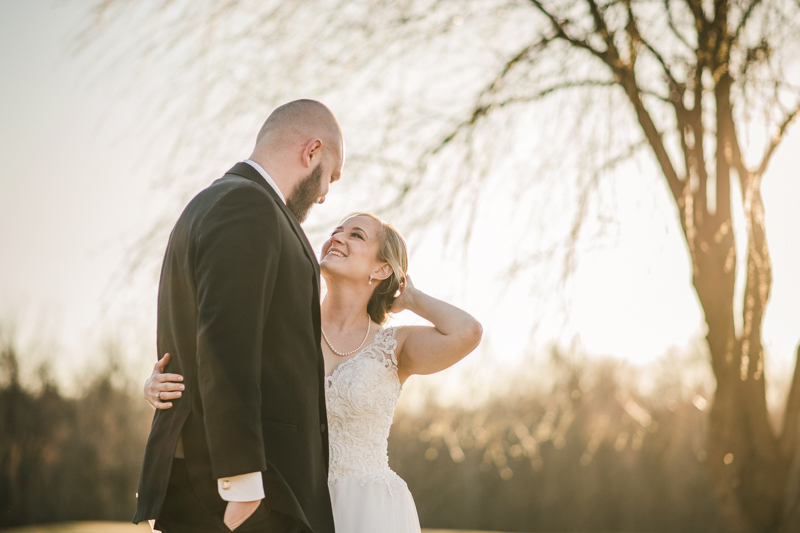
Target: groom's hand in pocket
(237,512)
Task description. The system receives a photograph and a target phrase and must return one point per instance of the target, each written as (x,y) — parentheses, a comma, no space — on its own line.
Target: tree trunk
(791,508)
(749,473)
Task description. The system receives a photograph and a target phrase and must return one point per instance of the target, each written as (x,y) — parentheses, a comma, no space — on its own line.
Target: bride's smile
(335,252)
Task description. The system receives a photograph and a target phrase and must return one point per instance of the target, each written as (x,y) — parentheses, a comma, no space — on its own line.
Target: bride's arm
(426,349)
(168,385)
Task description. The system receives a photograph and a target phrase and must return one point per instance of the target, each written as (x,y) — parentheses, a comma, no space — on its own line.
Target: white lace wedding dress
(361,395)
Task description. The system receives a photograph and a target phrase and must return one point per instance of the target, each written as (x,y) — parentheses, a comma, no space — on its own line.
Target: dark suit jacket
(238,310)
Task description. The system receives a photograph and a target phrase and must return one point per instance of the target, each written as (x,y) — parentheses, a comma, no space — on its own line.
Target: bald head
(301,142)
(300,121)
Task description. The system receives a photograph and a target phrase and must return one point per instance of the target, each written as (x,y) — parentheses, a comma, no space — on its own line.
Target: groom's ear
(383,272)
(312,153)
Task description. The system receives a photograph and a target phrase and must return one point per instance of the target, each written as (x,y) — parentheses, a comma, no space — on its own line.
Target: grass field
(83,527)
(121,527)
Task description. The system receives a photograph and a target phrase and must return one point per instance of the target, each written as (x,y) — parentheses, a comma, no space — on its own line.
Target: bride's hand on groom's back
(161,388)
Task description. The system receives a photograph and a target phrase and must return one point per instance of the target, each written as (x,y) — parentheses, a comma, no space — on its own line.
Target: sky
(77,191)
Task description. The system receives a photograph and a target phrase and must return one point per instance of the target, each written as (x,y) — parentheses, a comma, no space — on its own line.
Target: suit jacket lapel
(246,171)
(302,236)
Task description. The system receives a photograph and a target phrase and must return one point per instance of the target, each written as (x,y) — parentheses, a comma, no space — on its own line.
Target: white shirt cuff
(242,488)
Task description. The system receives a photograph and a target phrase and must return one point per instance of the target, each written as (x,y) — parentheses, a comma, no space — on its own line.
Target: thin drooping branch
(743,22)
(675,85)
(570,247)
(583,204)
(600,26)
(552,89)
(671,24)
(523,54)
(559,27)
(481,109)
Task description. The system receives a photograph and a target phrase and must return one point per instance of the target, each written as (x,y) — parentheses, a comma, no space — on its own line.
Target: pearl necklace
(340,354)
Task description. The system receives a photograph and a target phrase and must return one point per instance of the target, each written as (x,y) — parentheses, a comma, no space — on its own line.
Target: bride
(364,265)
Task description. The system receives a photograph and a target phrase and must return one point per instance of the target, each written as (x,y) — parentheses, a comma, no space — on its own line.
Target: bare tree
(709,89)
(726,61)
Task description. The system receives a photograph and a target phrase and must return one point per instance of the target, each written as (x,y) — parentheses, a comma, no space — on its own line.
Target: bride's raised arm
(420,349)
(430,349)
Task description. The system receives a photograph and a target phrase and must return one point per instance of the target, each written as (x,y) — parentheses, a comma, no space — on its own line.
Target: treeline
(587,452)
(590,453)
(64,458)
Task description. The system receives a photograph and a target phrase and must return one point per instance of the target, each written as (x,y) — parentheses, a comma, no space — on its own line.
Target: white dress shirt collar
(266,177)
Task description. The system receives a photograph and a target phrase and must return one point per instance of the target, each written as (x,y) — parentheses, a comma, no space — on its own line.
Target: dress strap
(388,343)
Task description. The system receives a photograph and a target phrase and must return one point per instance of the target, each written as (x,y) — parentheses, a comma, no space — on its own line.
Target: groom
(246,447)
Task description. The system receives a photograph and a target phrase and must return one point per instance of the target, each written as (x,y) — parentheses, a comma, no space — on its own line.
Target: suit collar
(248,172)
(267,177)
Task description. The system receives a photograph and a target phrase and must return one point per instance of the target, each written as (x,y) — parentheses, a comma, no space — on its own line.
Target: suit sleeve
(236,260)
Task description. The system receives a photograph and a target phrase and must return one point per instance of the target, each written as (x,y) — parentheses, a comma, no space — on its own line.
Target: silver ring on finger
(158,396)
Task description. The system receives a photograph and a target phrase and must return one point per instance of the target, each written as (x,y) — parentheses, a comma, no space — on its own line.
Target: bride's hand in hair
(453,334)
(160,388)
(406,298)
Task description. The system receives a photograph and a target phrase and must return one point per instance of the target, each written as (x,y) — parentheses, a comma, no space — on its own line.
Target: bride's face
(352,250)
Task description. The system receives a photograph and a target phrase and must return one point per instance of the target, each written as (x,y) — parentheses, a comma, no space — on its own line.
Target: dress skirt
(362,506)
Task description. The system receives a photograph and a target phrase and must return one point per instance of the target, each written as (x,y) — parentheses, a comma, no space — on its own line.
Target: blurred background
(609,187)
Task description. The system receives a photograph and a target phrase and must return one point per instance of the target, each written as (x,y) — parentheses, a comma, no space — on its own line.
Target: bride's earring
(370,279)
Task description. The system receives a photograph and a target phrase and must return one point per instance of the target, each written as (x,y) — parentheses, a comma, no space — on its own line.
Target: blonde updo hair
(394,251)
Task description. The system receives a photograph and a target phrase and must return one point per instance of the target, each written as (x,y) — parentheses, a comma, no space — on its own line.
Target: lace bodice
(361,396)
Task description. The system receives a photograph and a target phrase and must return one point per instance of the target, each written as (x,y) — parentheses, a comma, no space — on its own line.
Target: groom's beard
(306,194)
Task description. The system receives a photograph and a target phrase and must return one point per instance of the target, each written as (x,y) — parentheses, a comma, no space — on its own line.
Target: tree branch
(743,22)
(653,136)
(671,24)
(600,26)
(700,20)
(520,264)
(482,110)
(636,37)
(675,86)
(773,144)
(552,89)
(626,77)
(560,28)
(511,63)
